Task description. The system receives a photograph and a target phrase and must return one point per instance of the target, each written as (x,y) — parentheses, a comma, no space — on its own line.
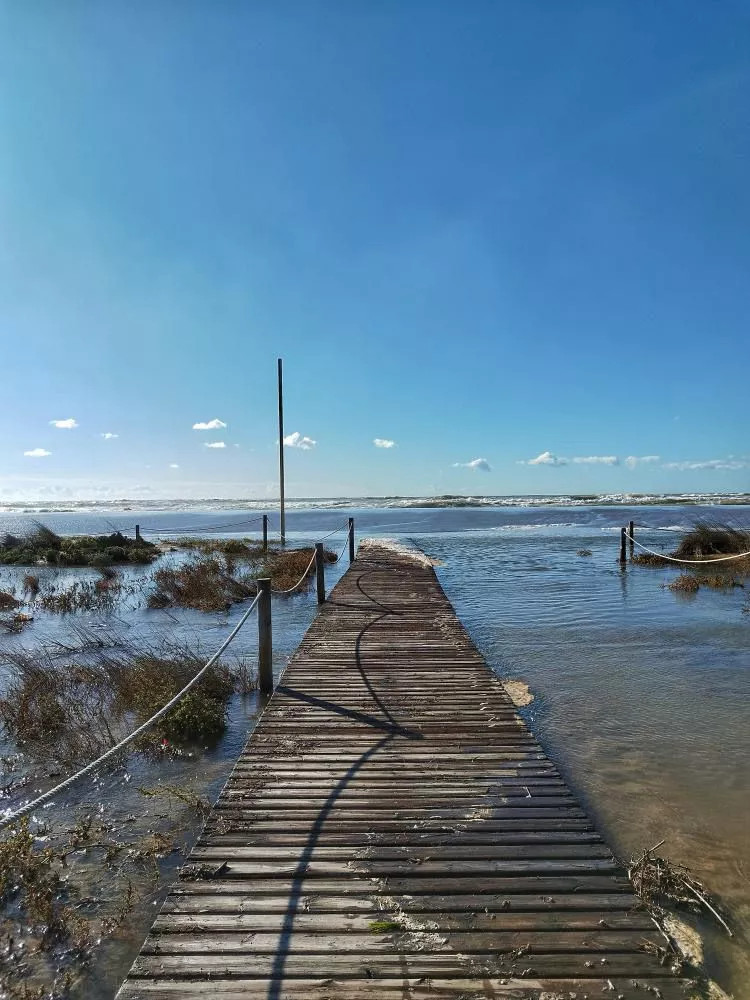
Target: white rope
(334,532)
(198,528)
(279,593)
(687,562)
(113,751)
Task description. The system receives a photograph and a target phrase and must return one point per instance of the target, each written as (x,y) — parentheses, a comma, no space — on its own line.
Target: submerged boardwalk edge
(393,830)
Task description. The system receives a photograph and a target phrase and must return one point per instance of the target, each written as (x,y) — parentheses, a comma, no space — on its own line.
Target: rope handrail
(335,531)
(687,562)
(197,527)
(113,751)
(279,593)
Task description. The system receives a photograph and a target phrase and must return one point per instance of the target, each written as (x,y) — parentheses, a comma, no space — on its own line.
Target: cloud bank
(633,460)
(37,453)
(730,463)
(549,458)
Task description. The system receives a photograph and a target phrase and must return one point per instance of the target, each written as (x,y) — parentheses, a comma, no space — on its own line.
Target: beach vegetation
(210,582)
(708,538)
(241,548)
(71,712)
(8,602)
(584,552)
(685,583)
(204,584)
(42,546)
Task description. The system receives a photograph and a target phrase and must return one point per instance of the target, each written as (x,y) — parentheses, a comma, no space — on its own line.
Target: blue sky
(498,230)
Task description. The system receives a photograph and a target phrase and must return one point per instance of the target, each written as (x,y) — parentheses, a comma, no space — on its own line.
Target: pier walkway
(392,830)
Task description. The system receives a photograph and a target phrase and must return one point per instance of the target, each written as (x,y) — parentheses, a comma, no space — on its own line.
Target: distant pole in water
(631,532)
(137,532)
(623,546)
(265,532)
(282,518)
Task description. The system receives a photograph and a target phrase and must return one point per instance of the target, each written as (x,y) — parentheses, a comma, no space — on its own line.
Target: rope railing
(198,528)
(686,562)
(113,751)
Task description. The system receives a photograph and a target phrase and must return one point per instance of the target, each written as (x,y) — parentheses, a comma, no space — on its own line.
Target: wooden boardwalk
(392,830)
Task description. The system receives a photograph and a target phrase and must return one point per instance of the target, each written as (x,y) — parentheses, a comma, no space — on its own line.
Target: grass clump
(240,548)
(649,559)
(205,584)
(685,583)
(210,582)
(43,547)
(706,539)
(285,567)
(82,595)
(73,712)
(8,602)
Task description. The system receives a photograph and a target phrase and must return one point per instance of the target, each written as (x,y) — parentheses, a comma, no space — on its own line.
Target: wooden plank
(392,829)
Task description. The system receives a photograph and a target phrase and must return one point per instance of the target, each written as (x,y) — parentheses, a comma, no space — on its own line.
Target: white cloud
(37,453)
(214,444)
(297,440)
(209,425)
(109,436)
(173,465)
(632,460)
(547,458)
(597,460)
(475,463)
(64,425)
(383,443)
(712,463)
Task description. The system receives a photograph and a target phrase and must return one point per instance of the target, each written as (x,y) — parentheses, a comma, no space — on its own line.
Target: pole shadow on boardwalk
(392,730)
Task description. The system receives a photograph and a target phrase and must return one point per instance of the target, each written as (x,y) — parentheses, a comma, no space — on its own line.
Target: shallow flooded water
(641,696)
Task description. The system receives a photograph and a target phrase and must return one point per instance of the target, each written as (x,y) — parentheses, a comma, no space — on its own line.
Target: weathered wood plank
(392,829)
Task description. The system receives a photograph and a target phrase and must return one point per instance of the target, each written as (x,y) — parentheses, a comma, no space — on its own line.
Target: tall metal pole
(282,517)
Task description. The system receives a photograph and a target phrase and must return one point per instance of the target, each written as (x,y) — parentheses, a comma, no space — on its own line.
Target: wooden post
(265,532)
(320,573)
(623,547)
(631,532)
(282,523)
(138,533)
(351,540)
(265,640)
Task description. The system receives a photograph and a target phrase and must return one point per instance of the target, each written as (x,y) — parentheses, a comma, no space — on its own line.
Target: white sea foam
(370,546)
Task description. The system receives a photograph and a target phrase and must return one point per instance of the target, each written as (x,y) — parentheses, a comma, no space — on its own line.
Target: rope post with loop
(351,540)
(320,573)
(265,532)
(631,536)
(265,642)
(623,546)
